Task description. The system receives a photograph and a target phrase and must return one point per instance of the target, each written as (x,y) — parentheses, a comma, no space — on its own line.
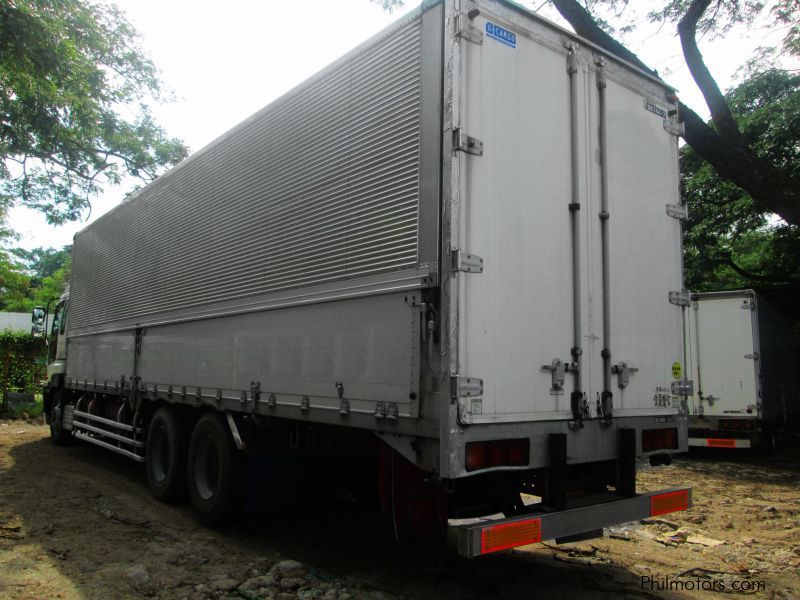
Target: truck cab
(56,333)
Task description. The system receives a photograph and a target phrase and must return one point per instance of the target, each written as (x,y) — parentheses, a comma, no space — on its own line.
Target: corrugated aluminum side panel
(320,186)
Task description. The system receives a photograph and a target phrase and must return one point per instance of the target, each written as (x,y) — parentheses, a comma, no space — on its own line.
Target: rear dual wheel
(208,464)
(166,455)
(215,468)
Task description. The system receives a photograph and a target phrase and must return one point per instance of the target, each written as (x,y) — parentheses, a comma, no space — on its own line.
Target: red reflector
(662,504)
(720,443)
(510,535)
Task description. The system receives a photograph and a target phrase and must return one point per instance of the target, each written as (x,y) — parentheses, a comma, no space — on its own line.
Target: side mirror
(37,330)
(37,316)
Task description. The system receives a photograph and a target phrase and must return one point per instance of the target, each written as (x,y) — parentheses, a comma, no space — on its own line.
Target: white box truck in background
(744,357)
(449,263)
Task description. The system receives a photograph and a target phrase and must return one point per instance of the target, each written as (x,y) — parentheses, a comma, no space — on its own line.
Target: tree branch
(772,190)
(769,187)
(585,26)
(715,100)
(728,260)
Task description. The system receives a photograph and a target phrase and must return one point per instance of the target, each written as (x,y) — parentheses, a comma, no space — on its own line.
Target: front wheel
(58,435)
(214,470)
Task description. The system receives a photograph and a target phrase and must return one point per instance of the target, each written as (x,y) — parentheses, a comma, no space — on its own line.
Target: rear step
(484,537)
(113,435)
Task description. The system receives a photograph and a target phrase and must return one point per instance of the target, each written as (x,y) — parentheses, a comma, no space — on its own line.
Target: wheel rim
(206,468)
(159,453)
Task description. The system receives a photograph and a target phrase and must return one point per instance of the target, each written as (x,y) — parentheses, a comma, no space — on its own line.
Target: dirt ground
(79,523)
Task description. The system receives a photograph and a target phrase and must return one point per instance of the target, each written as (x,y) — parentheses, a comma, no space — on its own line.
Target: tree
(731,242)
(721,143)
(43,262)
(52,286)
(69,72)
(15,286)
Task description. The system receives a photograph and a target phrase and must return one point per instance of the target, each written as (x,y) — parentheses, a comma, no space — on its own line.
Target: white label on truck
(655,109)
(503,36)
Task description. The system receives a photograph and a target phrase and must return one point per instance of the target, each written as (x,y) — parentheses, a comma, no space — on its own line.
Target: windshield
(59,316)
(58,322)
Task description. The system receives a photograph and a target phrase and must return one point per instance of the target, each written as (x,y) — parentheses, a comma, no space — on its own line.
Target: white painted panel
(722,336)
(516,315)
(513,212)
(645,249)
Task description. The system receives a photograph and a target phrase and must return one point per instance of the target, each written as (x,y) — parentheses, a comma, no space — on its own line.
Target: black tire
(767,444)
(58,435)
(214,471)
(166,456)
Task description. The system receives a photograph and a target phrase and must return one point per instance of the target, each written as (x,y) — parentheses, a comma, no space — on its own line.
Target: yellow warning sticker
(676,370)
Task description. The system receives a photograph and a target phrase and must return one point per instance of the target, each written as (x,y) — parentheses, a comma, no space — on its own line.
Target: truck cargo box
(744,357)
(464,236)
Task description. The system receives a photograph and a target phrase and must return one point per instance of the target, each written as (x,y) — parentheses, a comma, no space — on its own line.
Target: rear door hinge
(678,211)
(465,387)
(464,30)
(681,298)
(673,124)
(466,143)
(466,263)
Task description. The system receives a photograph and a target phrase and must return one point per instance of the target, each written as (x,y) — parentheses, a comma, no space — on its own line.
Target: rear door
(515,317)
(725,372)
(644,248)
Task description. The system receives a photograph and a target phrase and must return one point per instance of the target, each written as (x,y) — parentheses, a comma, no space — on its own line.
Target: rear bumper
(719,442)
(487,536)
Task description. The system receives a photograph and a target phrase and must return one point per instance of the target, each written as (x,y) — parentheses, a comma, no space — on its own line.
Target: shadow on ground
(88,528)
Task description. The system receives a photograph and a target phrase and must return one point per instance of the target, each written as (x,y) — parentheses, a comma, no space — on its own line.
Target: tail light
(659,439)
(737,424)
(497,453)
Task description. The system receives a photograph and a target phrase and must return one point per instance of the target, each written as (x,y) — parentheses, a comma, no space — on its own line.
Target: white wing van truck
(744,357)
(451,259)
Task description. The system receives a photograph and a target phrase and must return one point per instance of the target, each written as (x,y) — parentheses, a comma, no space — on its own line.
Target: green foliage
(729,241)
(23,363)
(52,286)
(69,71)
(31,410)
(32,278)
(43,262)
(15,286)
